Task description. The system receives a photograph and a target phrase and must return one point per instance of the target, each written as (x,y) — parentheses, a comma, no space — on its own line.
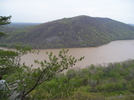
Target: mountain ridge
(79,31)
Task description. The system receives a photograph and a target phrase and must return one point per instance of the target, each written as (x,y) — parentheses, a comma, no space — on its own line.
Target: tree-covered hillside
(96,82)
(80,31)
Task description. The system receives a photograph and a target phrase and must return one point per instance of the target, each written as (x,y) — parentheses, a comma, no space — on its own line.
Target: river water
(115,51)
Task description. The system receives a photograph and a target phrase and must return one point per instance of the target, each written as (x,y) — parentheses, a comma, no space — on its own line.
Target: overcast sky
(48,10)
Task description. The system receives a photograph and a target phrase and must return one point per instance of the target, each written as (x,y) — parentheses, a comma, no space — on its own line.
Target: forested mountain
(80,31)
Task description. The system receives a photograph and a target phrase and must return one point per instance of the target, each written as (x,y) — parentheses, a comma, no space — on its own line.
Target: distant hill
(22,25)
(80,31)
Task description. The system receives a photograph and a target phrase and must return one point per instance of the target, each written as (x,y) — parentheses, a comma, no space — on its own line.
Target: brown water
(115,51)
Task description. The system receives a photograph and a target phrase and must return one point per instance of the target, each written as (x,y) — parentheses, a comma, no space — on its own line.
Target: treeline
(96,82)
(81,31)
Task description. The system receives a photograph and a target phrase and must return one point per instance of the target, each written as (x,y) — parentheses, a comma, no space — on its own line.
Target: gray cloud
(48,10)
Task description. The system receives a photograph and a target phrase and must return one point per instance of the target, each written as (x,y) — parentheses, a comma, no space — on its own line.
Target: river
(115,51)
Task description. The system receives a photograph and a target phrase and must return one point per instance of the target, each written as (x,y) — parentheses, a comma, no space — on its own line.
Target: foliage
(10,59)
(58,88)
(24,79)
(115,79)
(3,21)
(81,31)
(94,82)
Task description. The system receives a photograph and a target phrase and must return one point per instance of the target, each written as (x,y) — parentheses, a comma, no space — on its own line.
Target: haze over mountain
(13,24)
(80,31)
(131,24)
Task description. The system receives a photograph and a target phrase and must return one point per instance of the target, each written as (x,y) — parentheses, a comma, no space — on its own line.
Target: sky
(41,11)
